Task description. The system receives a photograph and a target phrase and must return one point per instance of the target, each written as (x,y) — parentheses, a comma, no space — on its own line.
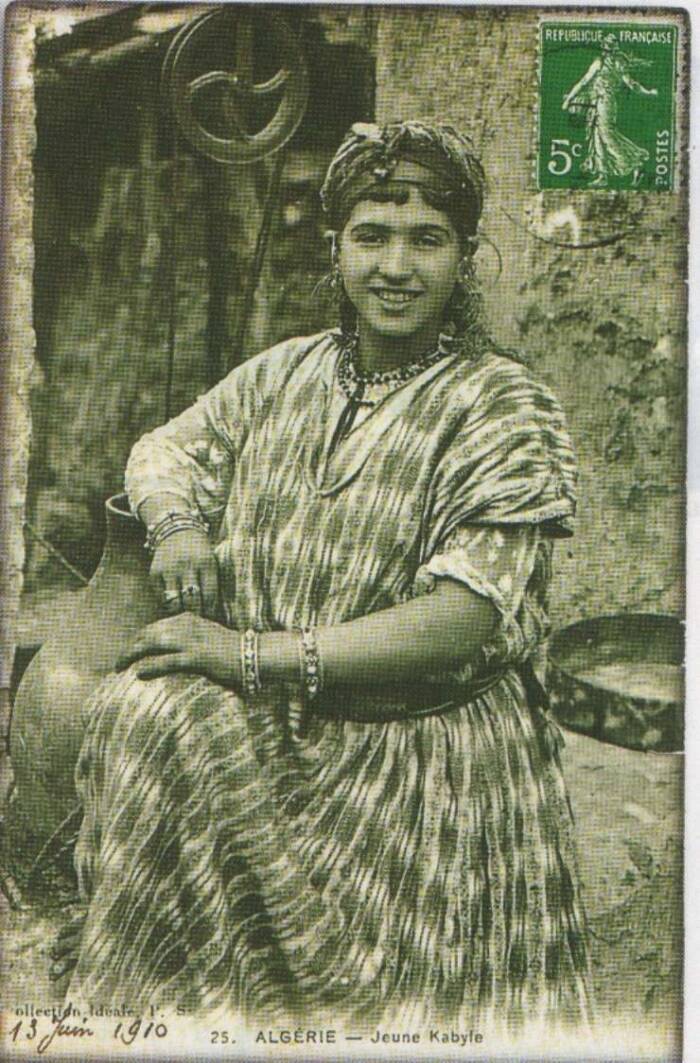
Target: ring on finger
(191,589)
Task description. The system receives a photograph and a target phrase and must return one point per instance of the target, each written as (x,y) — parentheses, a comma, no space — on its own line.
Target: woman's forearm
(433,633)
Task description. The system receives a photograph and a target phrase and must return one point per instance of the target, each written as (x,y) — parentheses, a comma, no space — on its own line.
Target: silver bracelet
(310,663)
(250,663)
(173,521)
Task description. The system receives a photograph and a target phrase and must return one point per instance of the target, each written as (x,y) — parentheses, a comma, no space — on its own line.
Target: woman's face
(399,265)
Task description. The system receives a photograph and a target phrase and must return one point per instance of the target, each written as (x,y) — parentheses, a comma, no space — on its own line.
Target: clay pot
(47,719)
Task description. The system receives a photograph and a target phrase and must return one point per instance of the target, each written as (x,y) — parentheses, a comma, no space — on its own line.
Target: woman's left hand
(185,643)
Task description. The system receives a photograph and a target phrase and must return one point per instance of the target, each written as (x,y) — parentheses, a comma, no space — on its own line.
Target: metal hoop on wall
(182,82)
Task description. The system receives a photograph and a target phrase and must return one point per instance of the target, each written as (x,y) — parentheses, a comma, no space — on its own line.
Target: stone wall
(604,327)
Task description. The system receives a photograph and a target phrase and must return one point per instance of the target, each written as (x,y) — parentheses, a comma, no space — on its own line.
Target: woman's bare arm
(427,635)
(432,633)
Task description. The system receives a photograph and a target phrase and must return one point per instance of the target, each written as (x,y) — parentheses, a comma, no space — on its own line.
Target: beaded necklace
(354,381)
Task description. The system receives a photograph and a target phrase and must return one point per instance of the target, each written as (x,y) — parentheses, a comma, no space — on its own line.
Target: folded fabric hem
(439,567)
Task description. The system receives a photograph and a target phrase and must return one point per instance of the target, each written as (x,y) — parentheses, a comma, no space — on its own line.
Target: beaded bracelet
(173,521)
(310,662)
(250,663)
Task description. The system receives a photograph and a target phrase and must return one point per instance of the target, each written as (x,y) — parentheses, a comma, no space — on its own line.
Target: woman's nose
(396,262)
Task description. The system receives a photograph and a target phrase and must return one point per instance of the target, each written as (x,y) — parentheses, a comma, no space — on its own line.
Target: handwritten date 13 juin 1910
(63,1025)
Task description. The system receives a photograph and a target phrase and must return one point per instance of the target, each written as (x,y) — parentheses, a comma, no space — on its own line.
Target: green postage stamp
(607,114)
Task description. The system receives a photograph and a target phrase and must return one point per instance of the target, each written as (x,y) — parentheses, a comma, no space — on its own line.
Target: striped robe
(405,854)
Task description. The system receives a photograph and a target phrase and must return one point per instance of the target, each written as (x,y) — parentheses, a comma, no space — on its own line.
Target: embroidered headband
(435,158)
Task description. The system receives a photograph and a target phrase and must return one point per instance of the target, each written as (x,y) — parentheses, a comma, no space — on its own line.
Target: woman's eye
(368,238)
(426,240)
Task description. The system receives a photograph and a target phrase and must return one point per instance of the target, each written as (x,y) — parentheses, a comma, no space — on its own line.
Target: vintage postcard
(343,531)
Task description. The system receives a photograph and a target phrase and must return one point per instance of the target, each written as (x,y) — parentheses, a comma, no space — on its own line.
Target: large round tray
(620,679)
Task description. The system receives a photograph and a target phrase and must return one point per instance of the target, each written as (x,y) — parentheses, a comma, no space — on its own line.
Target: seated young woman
(325,782)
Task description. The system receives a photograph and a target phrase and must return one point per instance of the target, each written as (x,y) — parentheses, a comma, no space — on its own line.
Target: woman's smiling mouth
(395,297)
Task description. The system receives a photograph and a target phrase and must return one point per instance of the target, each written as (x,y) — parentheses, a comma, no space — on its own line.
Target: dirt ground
(628,809)
(629,814)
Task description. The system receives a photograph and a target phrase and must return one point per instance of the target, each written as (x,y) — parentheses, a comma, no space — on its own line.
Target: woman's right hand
(184,574)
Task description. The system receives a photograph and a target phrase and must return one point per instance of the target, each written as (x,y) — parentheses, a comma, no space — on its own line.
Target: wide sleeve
(192,456)
(510,566)
(507,459)
(495,562)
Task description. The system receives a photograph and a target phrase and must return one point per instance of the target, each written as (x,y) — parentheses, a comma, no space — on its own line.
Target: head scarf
(435,158)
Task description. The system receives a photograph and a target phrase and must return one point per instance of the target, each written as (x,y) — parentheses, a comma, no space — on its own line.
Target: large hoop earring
(464,313)
(335,282)
(346,309)
(332,286)
(466,276)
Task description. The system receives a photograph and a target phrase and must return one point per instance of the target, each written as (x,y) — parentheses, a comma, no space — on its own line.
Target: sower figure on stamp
(325,783)
(609,153)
